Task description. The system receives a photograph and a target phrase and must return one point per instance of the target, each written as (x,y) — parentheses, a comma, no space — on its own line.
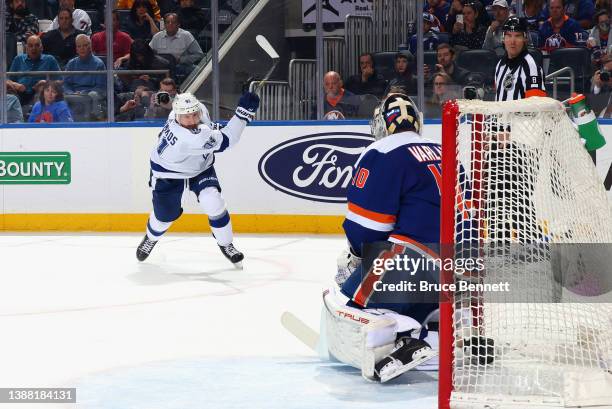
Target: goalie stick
(267,47)
(301,331)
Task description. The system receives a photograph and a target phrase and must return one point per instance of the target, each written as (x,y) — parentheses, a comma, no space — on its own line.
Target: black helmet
(515,24)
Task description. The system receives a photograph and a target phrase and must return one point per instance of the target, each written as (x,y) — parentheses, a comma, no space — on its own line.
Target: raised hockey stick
(301,331)
(267,47)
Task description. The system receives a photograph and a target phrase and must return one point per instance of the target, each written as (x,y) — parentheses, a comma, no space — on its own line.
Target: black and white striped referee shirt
(518,78)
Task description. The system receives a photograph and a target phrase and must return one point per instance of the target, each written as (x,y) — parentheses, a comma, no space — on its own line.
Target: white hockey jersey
(183,153)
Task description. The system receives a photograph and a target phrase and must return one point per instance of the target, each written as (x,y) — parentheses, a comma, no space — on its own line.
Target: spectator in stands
(20,20)
(368,81)
(179,43)
(80,19)
(32,60)
(51,106)
(494,39)
(456,9)
(446,64)
(133,105)
(439,9)
(602,4)
(403,76)
(121,42)
(89,84)
(470,34)
(599,36)
(560,31)
(534,14)
(602,90)
(580,10)
(61,42)
(443,90)
(339,103)
(161,106)
(129,4)
(14,113)
(192,18)
(430,36)
(142,24)
(142,57)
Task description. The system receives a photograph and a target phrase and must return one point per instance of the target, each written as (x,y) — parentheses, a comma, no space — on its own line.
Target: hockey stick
(267,47)
(301,331)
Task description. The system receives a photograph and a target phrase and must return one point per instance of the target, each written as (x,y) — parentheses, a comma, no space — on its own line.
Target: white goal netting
(530,203)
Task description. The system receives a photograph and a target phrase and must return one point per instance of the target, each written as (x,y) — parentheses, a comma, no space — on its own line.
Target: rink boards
(281,177)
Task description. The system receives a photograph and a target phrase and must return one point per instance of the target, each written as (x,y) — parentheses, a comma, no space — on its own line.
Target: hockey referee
(511,187)
(517,75)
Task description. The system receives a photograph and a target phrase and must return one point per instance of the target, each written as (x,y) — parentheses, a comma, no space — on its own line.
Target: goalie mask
(396,113)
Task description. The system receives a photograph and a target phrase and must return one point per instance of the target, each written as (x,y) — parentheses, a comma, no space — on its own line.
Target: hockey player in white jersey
(183,159)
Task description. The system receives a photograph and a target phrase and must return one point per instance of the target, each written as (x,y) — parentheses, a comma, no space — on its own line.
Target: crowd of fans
(164,35)
(453,27)
(167,36)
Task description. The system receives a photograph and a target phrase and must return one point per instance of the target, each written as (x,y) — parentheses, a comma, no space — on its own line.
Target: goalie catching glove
(247,106)
(348,262)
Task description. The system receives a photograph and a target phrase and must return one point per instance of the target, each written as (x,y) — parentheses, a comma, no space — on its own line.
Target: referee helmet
(396,113)
(515,24)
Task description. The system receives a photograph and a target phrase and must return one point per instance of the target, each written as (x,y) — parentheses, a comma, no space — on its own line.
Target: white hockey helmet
(185,103)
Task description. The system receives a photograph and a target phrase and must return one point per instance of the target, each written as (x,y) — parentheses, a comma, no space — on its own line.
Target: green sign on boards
(40,168)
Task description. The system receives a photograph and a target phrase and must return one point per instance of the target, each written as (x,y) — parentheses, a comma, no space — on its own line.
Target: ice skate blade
(238,265)
(424,357)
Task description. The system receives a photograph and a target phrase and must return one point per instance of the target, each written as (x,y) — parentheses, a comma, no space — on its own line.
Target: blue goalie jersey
(395,192)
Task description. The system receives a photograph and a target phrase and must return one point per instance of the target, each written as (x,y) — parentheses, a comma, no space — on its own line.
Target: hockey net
(517,182)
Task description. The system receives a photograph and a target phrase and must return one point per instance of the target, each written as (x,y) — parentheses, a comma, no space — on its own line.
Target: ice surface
(182,330)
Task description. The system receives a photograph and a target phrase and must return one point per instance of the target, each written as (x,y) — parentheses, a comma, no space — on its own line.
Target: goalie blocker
(382,343)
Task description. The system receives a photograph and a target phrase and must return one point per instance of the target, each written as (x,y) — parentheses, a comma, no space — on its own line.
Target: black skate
(232,255)
(144,248)
(407,354)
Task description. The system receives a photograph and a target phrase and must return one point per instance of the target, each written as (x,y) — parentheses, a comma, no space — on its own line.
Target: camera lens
(469,93)
(604,75)
(164,97)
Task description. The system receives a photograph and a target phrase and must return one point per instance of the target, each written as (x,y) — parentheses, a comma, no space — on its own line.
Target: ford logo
(316,167)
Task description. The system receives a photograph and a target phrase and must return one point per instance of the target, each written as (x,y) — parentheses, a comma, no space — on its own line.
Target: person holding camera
(602,85)
(161,103)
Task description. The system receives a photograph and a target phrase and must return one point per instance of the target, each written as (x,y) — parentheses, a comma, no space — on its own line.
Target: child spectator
(51,107)
(430,37)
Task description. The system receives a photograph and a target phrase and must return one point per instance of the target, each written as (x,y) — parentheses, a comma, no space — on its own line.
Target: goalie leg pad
(357,337)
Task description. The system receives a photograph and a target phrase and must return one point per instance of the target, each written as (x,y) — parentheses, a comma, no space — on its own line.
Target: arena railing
(275,99)
(553,78)
(303,87)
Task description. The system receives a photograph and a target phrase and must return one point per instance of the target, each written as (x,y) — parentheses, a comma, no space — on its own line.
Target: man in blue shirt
(580,10)
(560,30)
(93,85)
(33,60)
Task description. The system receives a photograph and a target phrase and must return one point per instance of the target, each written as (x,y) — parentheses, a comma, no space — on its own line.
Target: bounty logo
(28,168)
(316,167)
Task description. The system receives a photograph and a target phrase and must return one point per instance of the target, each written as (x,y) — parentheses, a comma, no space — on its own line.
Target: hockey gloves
(347,264)
(247,106)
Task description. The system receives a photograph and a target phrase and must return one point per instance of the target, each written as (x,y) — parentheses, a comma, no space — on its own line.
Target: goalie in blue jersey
(394,196)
